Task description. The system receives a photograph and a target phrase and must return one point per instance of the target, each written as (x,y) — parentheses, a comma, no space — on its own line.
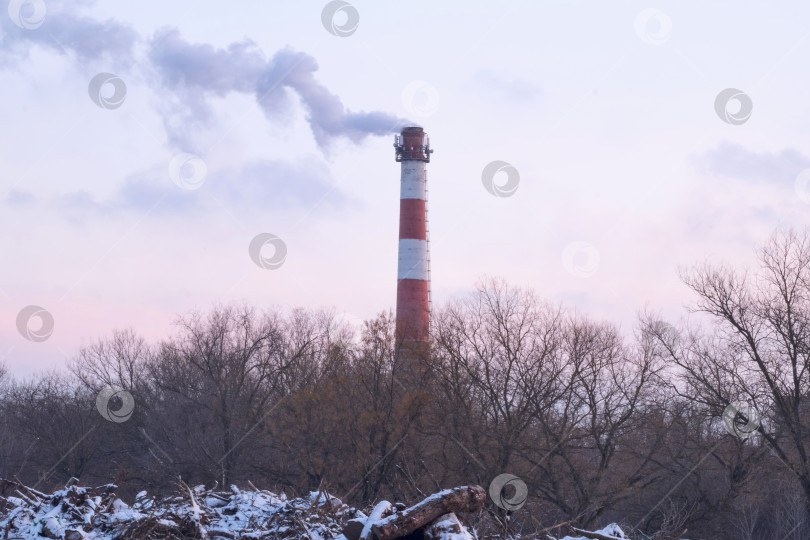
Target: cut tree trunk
(449,501)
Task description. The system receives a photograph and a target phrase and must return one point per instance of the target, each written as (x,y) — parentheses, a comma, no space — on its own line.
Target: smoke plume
(197,72)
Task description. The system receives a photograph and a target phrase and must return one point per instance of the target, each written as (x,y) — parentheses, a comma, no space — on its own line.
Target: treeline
(599,425)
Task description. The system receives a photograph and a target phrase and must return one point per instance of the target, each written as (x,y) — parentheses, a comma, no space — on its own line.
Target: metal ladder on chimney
(427,239)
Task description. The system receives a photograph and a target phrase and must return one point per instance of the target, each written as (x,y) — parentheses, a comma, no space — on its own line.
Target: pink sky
(607,113)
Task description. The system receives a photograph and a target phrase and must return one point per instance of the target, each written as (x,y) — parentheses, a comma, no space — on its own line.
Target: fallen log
(380,512)
(449,501)
(447,527)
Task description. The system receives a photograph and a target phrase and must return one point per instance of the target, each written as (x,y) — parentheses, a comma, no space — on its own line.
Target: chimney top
(412,144)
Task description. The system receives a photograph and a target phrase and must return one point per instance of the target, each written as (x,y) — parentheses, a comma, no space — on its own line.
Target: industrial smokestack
(413,269)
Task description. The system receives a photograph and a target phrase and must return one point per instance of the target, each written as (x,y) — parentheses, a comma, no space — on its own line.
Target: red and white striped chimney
(413,269)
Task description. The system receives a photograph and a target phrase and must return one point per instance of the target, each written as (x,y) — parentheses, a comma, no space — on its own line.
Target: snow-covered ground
(81,513)
(97,513)
(612,531)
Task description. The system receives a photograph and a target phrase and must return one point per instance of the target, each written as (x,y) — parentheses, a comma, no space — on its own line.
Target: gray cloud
(276,184)
(17,197)
(270,185)
(751,190)
(64,30)
(735,161)
(197,72)
(513,90)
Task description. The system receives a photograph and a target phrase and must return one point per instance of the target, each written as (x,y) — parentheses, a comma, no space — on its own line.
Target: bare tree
(56,424)
(353,421)
(216,381)
(759,349)
(499,353)
(598,457)
(121,360)
(530,388)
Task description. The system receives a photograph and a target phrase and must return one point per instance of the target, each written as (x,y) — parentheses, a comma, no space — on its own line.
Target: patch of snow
(99,514)
(611,531)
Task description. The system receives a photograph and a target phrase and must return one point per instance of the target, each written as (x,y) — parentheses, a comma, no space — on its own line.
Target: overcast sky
(145,144)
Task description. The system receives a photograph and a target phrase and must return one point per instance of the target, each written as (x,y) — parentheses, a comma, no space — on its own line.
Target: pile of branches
(74,513)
